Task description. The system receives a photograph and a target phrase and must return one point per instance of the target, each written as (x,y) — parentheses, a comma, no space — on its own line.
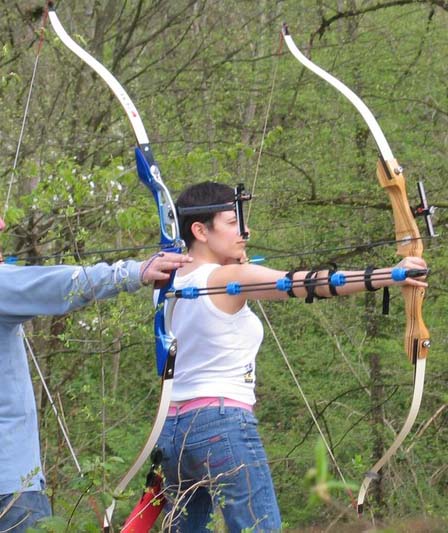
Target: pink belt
(200,403)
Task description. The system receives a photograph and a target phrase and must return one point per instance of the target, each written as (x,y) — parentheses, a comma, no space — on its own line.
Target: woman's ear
(199,231)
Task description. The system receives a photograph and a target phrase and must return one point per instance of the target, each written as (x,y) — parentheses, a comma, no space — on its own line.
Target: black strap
(310,286)
(290,276)
(368,279)
(386,297)
(333,290)
(310,283)
(371,288)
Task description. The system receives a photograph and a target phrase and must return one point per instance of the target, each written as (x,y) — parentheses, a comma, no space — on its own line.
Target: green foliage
(320,480)
(52,524)
(201,77)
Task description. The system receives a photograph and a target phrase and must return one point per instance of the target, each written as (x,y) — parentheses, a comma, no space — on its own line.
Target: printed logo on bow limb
(409,243)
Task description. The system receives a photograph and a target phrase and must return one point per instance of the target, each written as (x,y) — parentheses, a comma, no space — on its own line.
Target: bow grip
(166,345)
(409,243)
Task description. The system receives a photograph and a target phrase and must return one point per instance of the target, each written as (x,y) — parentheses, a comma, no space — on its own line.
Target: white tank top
(216,350)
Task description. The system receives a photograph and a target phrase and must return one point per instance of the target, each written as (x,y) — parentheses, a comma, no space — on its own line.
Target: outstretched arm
(55,290)
(304,280)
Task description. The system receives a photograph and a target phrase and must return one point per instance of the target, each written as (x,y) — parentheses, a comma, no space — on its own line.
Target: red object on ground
(146,511)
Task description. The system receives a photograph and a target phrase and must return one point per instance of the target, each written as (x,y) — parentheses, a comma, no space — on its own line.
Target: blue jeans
(213,457)
(26,510)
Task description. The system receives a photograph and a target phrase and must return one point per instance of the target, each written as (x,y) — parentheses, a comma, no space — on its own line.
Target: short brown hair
(201,194)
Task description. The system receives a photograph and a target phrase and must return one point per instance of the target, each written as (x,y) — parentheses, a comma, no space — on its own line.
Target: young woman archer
(212,453)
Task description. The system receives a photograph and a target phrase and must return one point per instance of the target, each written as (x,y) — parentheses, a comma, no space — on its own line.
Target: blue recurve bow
(170,241)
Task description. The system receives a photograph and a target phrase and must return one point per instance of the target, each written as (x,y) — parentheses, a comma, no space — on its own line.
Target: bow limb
(149,174)
(390,177)
(148,170)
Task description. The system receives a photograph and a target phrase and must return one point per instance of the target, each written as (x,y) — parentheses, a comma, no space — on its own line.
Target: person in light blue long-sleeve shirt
(26,292)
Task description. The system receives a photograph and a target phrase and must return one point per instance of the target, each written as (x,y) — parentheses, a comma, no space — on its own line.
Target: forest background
(221,100)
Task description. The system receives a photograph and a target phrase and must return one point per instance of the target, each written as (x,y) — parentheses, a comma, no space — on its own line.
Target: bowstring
(25,112)
(265,125)
(61,422)
(260,305)
(11,181)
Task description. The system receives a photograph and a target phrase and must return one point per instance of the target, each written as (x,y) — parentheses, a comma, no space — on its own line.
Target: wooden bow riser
(409,243)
